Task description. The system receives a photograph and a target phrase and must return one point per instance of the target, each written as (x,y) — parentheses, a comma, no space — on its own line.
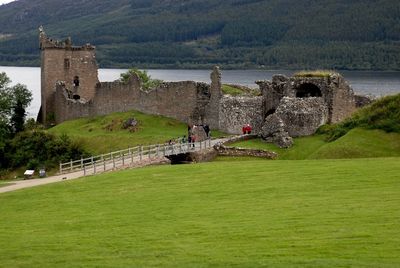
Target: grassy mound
(358,143)
(103,134)
(234,90)
(383,114)
(317,213)
(316,73)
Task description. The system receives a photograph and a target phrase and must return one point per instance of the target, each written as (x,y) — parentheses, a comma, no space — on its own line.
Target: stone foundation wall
(235,151)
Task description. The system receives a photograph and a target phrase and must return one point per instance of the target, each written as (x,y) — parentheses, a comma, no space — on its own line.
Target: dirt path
(17,185)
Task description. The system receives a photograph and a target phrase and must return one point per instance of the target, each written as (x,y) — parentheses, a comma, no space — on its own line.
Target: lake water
(375,83)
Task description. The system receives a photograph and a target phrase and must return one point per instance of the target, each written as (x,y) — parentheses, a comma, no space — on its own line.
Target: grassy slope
(95,137)
(358,143)
(317,213)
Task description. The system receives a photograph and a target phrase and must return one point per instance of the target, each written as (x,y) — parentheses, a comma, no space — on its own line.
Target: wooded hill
(338,34)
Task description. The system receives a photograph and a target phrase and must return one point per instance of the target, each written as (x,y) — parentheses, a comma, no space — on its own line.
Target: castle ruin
(71,89)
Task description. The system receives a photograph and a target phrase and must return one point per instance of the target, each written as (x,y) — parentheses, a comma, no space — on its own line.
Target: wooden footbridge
(132,156)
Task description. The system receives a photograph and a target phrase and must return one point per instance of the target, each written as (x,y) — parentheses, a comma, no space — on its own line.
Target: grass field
(357,143)
(103,134)
(312,213)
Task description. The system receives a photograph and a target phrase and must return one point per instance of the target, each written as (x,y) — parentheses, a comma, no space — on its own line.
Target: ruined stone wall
(212,113)
(343,101)
(272,92)
(67,109)
(176,100)
(302,116)
(234,112)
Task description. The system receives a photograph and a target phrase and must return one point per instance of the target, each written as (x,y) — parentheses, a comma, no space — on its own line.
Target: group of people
(192,135)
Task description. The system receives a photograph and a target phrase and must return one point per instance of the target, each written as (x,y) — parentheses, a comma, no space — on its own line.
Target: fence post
(158,150)
(104,164)
(123,159)
(71,165)
(60,167)
(140,152)
(149,151)
(84,170)
(131,155)
(81,162)
(113,160)
(164,150)
(94,167)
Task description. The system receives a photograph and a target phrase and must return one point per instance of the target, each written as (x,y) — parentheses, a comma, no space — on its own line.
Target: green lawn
(312,213)
(357,143)
(103,134)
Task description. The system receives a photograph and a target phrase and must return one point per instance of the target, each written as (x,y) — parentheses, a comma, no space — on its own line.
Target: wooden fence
(121,158)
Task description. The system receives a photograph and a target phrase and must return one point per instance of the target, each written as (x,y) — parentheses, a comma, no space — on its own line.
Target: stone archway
(308,90)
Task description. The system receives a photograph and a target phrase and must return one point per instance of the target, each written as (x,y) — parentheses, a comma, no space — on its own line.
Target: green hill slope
(324,213)
(201,33)
(102,134)
(357,143)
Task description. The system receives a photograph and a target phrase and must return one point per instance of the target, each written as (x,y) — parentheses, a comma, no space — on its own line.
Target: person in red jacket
(248,129)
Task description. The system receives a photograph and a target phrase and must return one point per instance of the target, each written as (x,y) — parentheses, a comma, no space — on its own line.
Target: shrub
(36,147)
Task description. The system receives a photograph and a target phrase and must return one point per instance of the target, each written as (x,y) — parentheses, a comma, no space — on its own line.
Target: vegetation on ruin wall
(103,134)
(382,114)
(239,90)
(324,213)
(147,82)
(235,33)
(316,73)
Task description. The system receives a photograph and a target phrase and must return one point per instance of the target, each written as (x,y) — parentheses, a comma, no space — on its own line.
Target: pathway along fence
(109,161)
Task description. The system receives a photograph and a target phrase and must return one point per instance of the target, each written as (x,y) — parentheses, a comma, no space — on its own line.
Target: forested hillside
(336,34)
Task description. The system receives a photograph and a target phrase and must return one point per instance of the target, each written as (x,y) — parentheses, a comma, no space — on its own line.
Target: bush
(36,148)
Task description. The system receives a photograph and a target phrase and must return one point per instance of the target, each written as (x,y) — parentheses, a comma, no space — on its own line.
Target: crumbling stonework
(273,131)
(363,100)
(297,106)
(235,151)
(302,116)
(335,92)
(234,112)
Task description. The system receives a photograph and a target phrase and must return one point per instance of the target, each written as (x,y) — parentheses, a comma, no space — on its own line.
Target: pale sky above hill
(5,1)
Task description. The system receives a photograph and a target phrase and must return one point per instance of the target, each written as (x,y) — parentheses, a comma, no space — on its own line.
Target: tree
(13,103)
(145,78)
(22,98)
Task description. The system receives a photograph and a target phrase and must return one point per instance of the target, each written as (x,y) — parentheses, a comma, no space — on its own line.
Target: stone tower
(61,61)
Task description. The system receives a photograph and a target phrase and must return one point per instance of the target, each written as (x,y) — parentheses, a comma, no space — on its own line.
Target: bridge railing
(119,158)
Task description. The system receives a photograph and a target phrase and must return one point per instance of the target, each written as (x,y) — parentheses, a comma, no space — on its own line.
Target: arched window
(308,90)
